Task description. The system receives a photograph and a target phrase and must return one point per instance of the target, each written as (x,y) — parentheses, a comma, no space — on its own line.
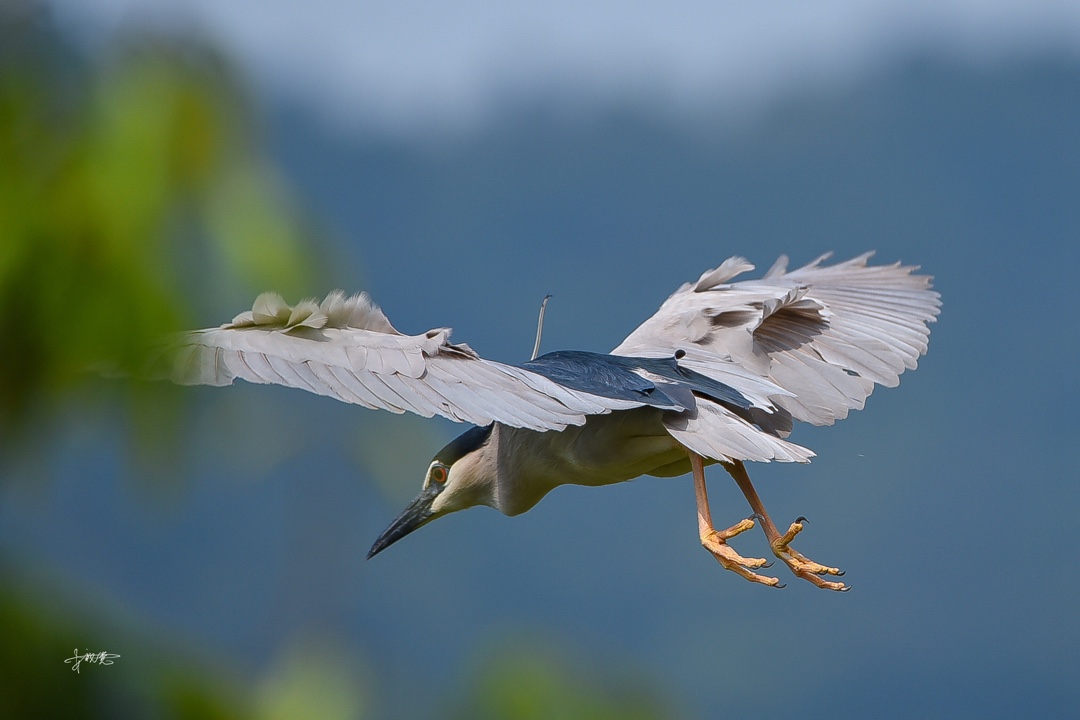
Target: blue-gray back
(614,376)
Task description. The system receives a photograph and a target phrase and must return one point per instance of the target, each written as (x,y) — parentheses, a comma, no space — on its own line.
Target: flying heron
(717,375)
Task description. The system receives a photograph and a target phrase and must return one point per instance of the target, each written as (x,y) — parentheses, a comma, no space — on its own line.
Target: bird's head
(460,475)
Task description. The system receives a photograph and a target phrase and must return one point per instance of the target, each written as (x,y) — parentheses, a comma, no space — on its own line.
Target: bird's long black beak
(416,515)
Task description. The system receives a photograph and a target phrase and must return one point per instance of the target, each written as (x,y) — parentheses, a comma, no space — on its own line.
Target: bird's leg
(801,565)
(715,541)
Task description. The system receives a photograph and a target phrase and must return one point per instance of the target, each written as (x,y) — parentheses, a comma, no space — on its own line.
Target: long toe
(803,566)
(715,543)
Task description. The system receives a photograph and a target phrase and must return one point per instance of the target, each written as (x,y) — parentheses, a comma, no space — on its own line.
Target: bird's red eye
(438,473)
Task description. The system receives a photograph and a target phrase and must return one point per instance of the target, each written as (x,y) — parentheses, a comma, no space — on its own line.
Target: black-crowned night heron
(718,374)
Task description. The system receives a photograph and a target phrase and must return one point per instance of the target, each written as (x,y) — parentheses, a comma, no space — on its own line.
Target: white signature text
(98,658)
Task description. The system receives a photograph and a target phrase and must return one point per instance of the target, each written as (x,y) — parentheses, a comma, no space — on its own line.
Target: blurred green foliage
(132,190)
(314,677)
(133,194)
(531,681)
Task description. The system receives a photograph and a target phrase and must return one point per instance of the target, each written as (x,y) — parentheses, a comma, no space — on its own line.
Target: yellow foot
(803,566)
(715,541)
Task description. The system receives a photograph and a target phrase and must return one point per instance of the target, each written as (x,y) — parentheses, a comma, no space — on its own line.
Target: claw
(802,519)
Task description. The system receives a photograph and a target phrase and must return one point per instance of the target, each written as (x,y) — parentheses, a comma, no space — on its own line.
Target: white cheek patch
(437,504)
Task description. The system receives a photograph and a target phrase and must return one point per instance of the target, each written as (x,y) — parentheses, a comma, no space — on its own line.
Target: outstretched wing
(811,342)
(345,348)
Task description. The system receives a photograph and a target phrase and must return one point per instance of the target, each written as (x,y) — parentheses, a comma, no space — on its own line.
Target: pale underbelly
(607,449)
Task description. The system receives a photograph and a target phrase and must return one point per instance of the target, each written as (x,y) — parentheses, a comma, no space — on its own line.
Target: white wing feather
(713,431)
(812,342)
(345,348)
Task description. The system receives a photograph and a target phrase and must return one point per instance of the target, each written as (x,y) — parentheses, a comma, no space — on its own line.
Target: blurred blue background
(459,161)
